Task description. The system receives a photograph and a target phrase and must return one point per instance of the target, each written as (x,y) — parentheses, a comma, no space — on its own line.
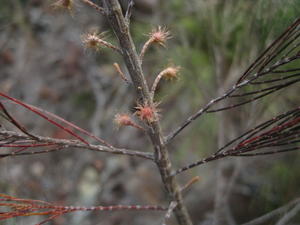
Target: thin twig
(145,48)
(171,208)
(13,154)
(120,72)
(190,119)
(93,5)
(129,11)
(76,144)
(48,116)
(39,113)
(190,183)
(272,59)
(281,132)
(17,207)
(12,120)
(289,215)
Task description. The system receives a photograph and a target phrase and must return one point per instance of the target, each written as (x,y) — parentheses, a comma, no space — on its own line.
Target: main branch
(132,61)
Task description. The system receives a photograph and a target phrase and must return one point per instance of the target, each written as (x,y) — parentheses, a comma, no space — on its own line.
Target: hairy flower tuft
(124,119)
(147,112)
(160,35)
(93,40)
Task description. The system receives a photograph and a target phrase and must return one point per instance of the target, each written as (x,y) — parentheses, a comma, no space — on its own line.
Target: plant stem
(133,63)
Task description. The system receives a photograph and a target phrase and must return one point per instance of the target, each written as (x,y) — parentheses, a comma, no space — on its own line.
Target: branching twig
(63,143)
(13,121)
(17,207)
(281,132)
(48,116)
(93,5)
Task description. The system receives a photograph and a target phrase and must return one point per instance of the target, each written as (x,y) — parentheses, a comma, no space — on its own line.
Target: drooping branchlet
(170,73)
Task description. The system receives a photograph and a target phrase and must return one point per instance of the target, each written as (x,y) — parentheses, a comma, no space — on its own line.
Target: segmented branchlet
(16,207)
(277,135)
(24,143)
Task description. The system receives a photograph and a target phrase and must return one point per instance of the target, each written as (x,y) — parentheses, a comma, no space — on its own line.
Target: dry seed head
(160,35)
(96,41)
(171,72)
(147,112)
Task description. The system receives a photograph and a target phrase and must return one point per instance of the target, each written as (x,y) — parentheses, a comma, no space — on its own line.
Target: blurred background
(44,63)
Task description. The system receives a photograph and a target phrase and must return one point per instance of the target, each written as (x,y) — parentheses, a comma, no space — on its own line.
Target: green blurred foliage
(5,12)
(85,104)
(280,185)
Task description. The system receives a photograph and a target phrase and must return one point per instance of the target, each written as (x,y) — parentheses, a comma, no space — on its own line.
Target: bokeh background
(44,63)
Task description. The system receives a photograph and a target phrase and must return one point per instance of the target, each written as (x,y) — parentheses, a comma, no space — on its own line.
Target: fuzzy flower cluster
(147,112)
(171,72)
(124,119)
(94,41)
(159,35)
